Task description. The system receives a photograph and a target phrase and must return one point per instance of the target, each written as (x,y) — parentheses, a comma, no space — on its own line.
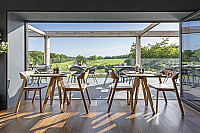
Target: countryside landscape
(151,55)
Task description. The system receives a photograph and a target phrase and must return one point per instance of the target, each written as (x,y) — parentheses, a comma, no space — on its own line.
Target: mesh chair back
(78,70)
(108,69)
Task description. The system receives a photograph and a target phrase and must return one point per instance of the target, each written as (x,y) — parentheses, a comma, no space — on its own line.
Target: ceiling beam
(105,34)
(148,28)
(36,30)
(192,15)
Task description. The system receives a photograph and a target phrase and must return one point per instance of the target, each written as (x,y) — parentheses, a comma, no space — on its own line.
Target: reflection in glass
(191,61)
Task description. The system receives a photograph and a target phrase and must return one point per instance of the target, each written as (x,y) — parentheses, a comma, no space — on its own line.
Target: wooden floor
(75,120)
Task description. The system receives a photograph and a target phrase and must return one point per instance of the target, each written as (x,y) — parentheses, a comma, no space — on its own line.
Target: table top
(147,74)
(61,74)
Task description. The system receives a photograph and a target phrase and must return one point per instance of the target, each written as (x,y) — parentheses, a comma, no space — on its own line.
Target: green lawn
(101,62)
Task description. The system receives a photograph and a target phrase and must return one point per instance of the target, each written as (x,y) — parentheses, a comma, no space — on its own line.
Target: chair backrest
(170,74)
(25,74)
(108,69)
(78,70)
(83,75)
(114,77)
(93,69)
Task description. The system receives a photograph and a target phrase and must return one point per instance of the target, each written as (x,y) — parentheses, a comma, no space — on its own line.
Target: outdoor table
(146,91)
(52,84)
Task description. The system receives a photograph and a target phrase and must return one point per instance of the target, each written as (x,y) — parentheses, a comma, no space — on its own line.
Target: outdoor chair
(34,87)
(78,87)
(92,71)
(123,76)
(107,72)
(78,70)
(118,87)
(167,87)
(43,70)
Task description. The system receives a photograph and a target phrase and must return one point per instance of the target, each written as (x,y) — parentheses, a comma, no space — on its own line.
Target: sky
(102,46)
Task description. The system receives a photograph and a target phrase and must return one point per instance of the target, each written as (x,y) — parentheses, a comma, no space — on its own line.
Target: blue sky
(96,46)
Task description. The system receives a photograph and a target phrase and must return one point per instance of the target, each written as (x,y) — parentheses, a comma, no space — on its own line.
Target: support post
(47,50)
(138,50)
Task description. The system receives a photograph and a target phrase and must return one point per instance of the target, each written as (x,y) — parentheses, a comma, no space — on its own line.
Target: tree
(94,57)
(158,50)
(81,59)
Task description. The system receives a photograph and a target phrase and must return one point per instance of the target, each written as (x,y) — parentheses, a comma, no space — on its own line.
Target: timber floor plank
(119,120)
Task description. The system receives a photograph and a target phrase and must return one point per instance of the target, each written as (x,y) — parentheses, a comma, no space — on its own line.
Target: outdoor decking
(120,119)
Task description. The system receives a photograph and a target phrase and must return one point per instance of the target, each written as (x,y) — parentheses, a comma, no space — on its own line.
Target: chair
(77,87)
(118,87)
(107,72)
(123,76)
(167,87)
(43,69)
(92,71)
(78,70)
(34,87)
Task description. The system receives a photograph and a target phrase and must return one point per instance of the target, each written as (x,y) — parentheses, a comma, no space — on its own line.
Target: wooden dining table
(54,78)
(146,91)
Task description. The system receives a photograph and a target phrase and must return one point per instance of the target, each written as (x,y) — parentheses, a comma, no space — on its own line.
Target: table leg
(136,93)
(47,94)
(148,94)
(144,92)
(59,92)
(52,92)
(132,92)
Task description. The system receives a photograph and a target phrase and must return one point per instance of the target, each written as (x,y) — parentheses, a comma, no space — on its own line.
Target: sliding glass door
(190,37)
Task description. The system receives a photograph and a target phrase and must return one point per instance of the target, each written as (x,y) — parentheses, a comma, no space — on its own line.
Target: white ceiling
(103,16)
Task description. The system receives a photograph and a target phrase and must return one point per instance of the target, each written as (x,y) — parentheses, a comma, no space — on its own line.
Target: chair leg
(111,101)
(128,99)
(19,101)
(40,94)
(85,104)
(64,93)
(109,95)
(34,95)
(157,101)
(88,95)
(165,97)
(179,102)
(105,79)
(70,96)
(95,79)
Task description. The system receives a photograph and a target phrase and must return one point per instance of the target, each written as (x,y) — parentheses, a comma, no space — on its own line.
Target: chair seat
(122,86)
(35,86)
(75,86)
(162,86)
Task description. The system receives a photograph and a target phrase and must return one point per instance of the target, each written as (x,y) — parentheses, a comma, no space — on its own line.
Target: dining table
(54,79)
(141,78)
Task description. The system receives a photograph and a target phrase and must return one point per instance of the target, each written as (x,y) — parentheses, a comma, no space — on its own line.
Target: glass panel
(191,61)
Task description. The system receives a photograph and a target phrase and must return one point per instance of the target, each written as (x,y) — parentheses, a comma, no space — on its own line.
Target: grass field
(101,62)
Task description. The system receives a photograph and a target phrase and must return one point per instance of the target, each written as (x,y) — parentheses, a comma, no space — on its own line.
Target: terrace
(133,106)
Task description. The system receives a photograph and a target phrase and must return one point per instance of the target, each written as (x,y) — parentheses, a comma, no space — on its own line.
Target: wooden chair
(167,87)
(118,87)
(34,87)
(78,87)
